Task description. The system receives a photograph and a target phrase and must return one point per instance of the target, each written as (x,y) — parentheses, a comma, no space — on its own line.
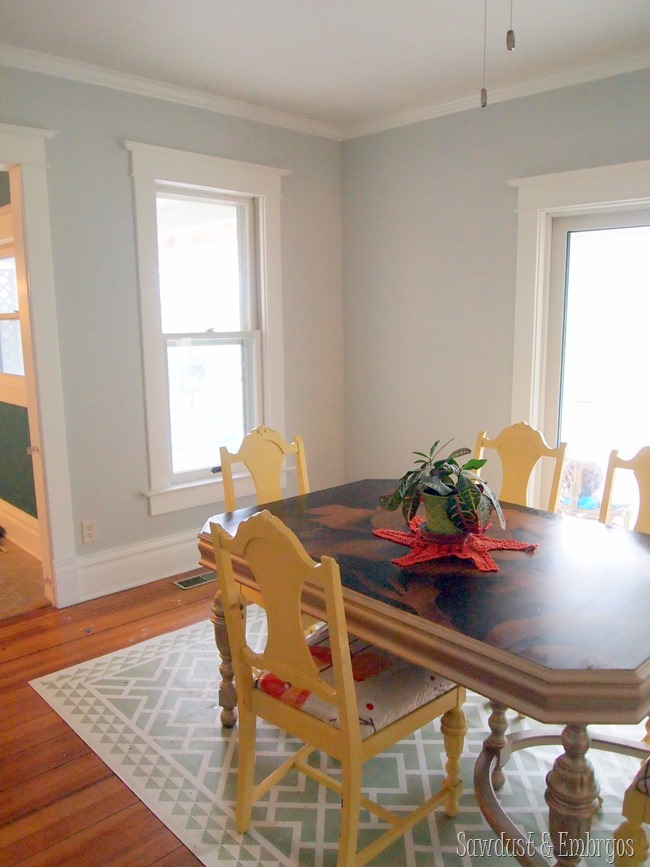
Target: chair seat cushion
(387,687)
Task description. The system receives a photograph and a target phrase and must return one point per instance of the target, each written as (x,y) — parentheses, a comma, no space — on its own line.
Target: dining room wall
(399,253)
(430,244)
(97,303)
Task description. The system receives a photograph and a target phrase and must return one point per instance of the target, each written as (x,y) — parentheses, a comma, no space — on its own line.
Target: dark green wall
(16,472)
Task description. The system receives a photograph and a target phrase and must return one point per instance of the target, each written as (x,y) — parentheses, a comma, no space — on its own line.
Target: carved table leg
(227,691)
(572,797)
(496,740)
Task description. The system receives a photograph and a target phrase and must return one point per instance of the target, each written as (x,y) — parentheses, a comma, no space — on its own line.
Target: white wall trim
(540,200)
(21,528)
(25,148)
(46,64)
(34,61)
(532,86)
(132,565)
(151,164)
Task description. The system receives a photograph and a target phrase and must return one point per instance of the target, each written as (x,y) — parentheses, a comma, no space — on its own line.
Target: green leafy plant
(469,500)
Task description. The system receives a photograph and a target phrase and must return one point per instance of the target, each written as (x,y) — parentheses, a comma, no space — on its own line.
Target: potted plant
(456,499)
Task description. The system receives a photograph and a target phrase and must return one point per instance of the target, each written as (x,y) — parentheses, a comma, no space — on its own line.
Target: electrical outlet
(88,532)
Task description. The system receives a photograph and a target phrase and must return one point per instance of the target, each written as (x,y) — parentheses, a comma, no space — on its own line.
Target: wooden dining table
(559,632)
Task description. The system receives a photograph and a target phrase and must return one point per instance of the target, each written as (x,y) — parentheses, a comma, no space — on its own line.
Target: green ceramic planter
(437,520)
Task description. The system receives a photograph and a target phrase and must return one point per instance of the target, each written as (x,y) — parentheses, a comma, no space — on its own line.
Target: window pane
(605,400)
(8,285)
(206,401)
(200,264)
(11,348)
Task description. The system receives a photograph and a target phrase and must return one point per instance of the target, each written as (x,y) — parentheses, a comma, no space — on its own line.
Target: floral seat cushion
(387,687)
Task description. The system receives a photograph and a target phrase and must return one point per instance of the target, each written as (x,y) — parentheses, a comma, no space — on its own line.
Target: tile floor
(21,581)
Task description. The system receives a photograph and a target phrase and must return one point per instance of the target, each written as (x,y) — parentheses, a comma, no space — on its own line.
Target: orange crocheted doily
(473,546)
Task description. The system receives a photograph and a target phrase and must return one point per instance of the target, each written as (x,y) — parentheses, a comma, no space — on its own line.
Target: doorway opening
(21,561)
(598,371)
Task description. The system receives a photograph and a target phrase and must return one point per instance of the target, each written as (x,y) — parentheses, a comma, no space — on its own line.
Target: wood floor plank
(101,640)
(101,843)
(27,796)
(180,857)
(160,845)
(20,703)
(35,730)
(60,804)
(46,827)
(33,762)
(49,628)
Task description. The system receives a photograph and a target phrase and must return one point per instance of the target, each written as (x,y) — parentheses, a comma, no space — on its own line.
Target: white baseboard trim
(133,565)
(21,528)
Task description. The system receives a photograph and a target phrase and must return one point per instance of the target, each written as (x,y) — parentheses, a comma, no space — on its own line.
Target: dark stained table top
(574,612)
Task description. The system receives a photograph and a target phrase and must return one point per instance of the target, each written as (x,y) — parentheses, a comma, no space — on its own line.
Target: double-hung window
(208,253)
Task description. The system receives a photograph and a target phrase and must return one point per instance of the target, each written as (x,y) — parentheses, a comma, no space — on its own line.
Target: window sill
(207,492)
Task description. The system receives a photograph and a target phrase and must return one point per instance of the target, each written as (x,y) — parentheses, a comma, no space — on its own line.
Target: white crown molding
(33,61)
(578,75)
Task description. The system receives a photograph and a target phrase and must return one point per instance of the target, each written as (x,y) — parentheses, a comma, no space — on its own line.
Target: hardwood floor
(21,581)
(59,803)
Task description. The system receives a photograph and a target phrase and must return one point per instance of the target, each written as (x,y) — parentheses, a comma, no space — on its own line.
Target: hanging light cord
(483,89)
(510,35)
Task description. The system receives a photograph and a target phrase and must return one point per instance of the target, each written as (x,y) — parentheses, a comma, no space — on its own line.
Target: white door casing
(22,154)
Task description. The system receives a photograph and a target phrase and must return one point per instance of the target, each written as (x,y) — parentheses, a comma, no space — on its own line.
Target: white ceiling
(336,67)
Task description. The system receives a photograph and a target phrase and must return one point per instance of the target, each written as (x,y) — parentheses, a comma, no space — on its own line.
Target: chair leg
(630,844)
(350,808)
(630,837)
(245,770)
(453,726)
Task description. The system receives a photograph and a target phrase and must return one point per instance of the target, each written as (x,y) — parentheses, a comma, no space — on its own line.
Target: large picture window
(208,252)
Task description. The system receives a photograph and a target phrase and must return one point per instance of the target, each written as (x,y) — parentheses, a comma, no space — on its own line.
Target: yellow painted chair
(640,466)
(520,447)
(263,452)
(631,840)
(318,689)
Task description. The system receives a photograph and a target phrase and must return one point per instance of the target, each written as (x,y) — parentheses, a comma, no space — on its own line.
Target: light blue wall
(399,253)
(430,234)
(91,211)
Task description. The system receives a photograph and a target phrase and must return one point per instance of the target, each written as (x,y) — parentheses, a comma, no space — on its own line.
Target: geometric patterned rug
(150,713)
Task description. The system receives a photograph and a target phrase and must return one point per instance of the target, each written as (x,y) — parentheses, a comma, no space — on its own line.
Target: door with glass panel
(598,371)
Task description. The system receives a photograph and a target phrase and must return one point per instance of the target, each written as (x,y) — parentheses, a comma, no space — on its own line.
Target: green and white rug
(150,712)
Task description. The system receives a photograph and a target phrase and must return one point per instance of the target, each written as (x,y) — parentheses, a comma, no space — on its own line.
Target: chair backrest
(640,466)
(281,566)
(263,452)
(520,447)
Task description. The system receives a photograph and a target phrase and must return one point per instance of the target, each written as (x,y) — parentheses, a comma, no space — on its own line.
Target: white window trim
(149,165)
(540,200)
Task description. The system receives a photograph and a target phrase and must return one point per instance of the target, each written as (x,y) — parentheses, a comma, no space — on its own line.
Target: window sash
(197,393)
